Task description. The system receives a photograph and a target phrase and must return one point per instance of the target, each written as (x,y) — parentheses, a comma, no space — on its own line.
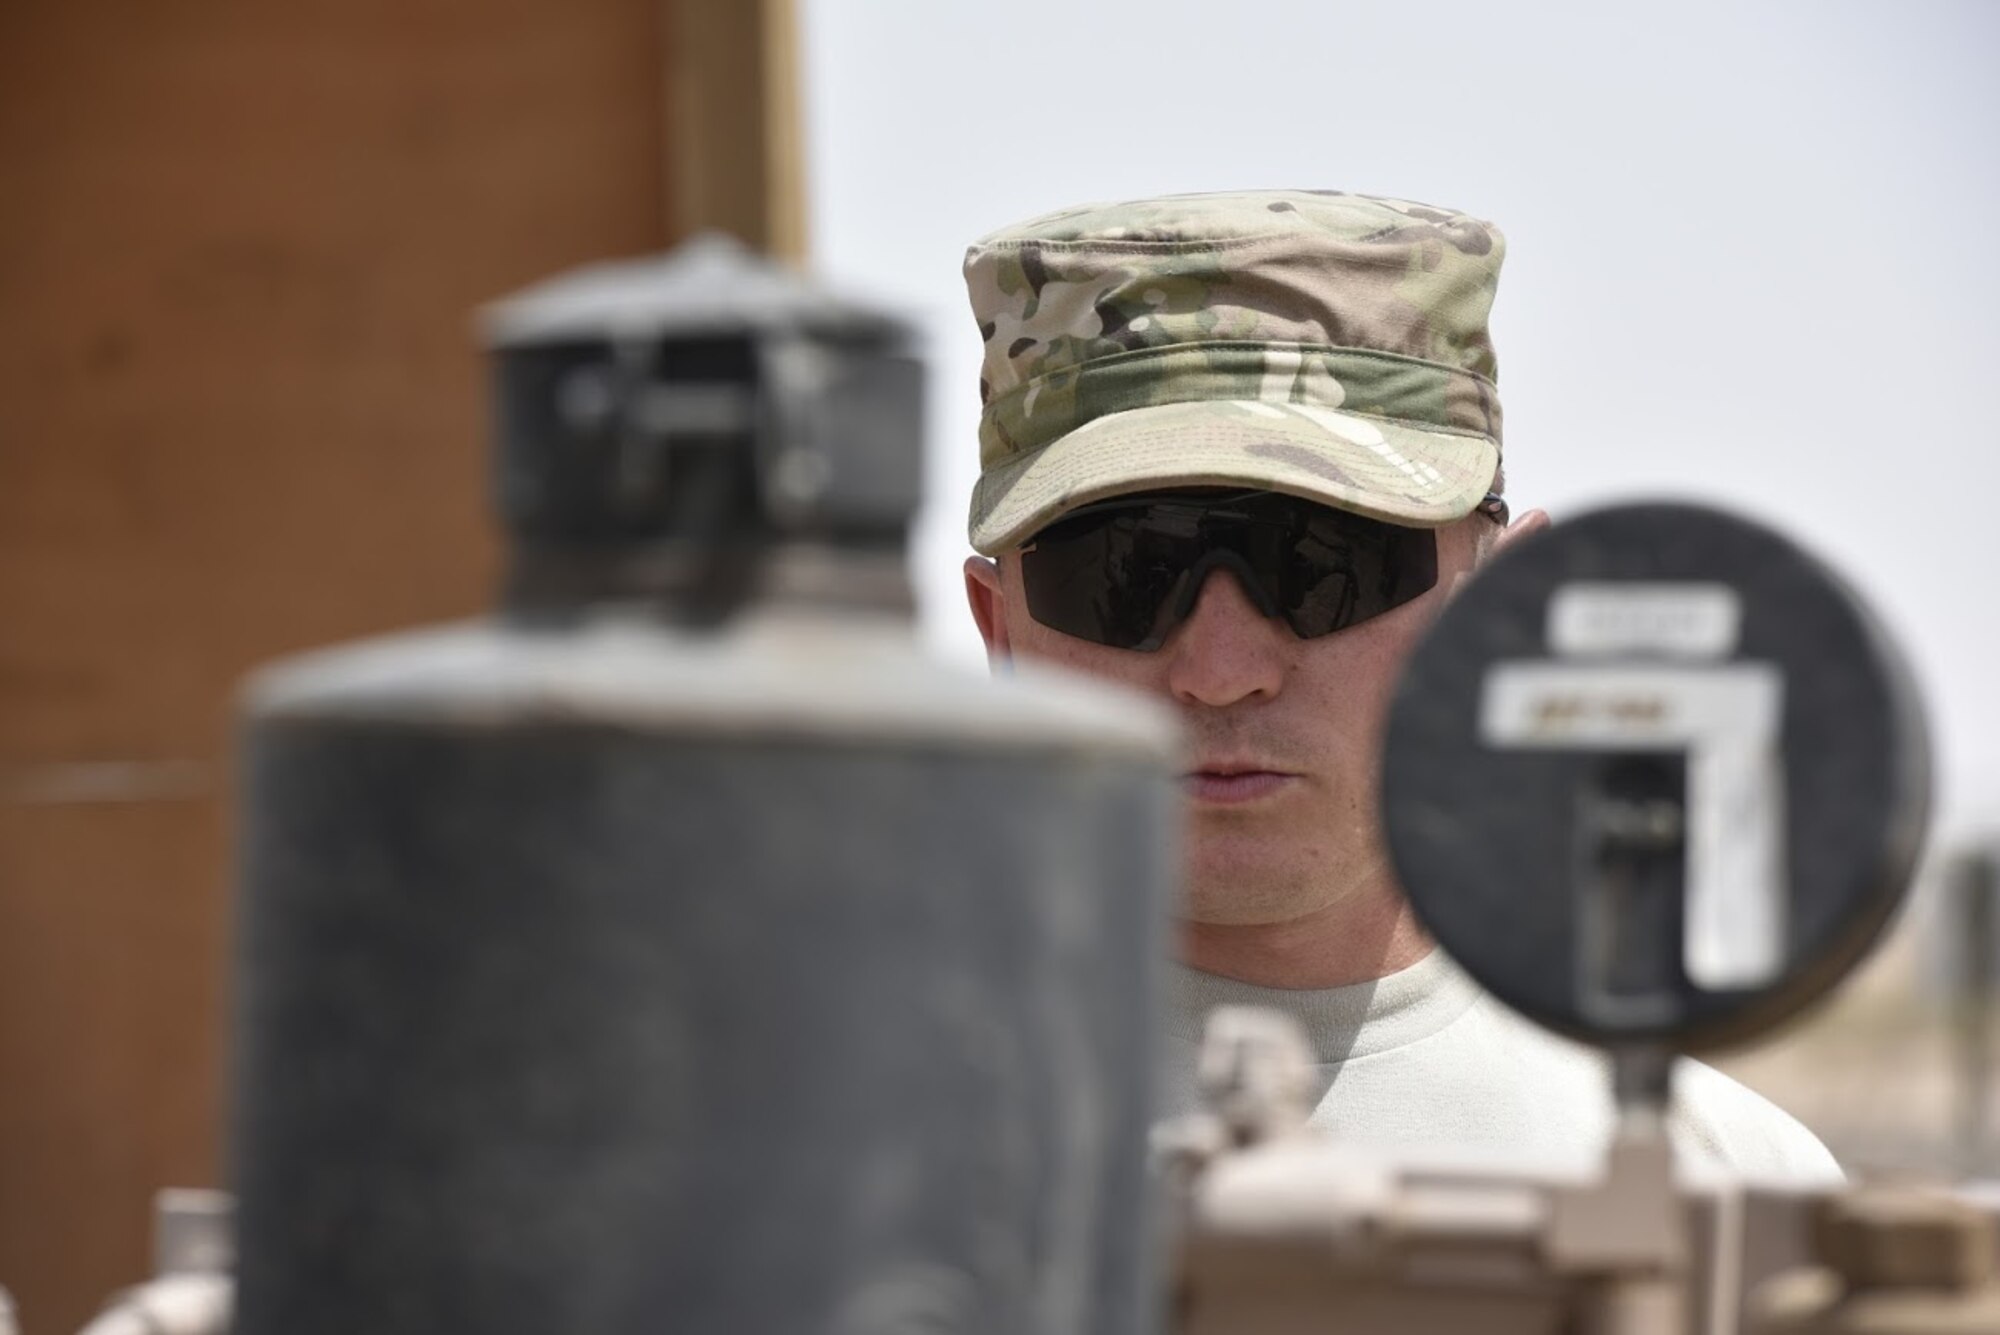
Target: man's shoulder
(1746,1132)
(1712,1118)
(1451,1066)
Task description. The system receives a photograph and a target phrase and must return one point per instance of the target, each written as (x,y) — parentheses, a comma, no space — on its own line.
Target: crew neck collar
(1341,1023)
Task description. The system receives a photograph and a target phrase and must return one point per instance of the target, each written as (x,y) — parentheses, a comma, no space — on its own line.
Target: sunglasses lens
(1121,574)
(1105,577)
(1343,570)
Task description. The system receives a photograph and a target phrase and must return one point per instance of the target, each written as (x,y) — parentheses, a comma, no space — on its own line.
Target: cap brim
(1380,467)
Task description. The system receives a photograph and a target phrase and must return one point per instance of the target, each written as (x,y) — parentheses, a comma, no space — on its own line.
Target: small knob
(1255,1072)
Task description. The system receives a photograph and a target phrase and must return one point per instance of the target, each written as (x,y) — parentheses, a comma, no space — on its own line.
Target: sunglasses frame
(1173,604)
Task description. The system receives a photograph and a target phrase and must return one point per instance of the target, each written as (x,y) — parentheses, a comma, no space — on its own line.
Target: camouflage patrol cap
(1327,345)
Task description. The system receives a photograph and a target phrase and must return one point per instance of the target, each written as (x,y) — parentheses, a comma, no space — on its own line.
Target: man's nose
(1226,650)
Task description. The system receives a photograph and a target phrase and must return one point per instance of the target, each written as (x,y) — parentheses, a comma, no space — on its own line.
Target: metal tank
(679,949)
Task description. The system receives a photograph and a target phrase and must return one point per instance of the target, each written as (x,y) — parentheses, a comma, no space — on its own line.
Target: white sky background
(1754,248)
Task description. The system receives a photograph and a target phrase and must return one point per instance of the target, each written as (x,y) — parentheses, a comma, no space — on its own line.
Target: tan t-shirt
(1424,1059)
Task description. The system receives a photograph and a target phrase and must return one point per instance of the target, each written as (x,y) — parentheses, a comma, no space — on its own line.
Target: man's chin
(1245,903)
(1251,882)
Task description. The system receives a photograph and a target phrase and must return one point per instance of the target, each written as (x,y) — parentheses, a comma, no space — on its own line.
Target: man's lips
(1229,783)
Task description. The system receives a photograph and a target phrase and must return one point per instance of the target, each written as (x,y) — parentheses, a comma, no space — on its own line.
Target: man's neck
(1336,946)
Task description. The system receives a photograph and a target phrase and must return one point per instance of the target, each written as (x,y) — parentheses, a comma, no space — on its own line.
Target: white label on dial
(1726,718)
(1685,621)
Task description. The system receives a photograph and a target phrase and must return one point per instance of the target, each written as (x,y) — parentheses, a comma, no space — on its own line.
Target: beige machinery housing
(1283,1231)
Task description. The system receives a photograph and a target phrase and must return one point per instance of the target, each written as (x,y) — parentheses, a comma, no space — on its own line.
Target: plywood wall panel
(240,414)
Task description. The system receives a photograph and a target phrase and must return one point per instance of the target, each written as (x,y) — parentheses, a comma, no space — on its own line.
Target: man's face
(1283,733)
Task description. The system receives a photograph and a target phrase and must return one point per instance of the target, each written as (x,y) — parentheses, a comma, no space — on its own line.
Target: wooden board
(241,413)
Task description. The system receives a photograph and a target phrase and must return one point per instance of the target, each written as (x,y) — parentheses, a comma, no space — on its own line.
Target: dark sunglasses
(1124,573)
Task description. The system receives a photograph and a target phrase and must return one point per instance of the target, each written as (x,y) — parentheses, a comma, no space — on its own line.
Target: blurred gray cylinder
(618,978)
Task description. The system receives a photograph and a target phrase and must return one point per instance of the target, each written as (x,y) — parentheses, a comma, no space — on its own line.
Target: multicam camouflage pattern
(1374,307)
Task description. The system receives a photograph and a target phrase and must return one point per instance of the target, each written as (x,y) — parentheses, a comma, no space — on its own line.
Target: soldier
(1236,450)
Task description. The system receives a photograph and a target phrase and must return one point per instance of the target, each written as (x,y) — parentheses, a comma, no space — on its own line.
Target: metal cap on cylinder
(677,429)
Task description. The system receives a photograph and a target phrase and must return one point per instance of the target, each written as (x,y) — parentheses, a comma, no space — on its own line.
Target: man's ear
(989,606)
(1525,523)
